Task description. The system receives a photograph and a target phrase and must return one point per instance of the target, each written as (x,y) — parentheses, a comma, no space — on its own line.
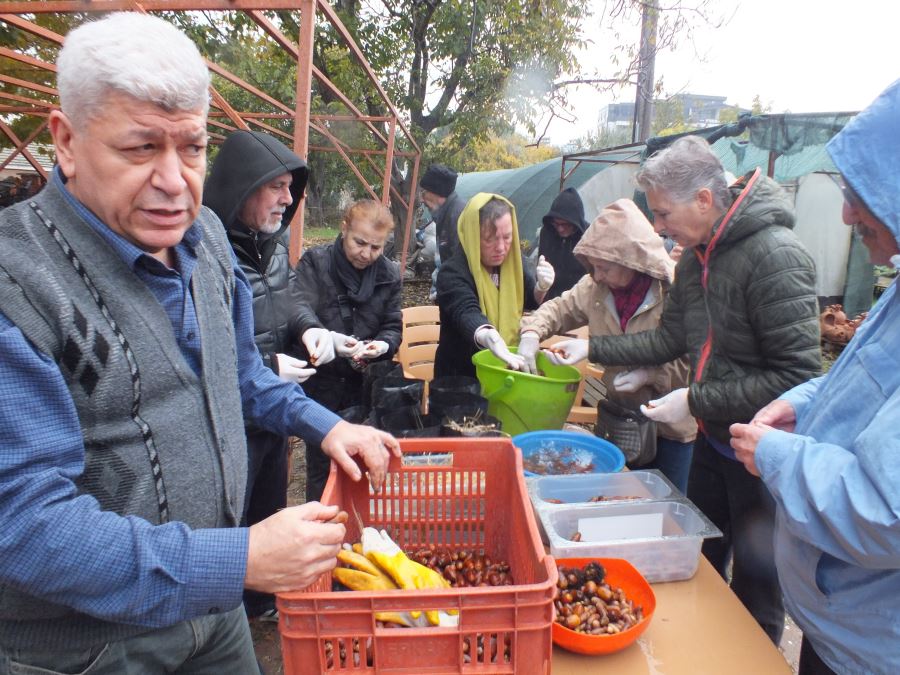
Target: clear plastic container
(671,555)
(582,488)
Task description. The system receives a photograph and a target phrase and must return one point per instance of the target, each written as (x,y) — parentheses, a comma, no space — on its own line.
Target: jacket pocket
(882,366)
(854,588)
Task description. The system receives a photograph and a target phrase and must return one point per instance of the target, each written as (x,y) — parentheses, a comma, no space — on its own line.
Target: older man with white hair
(128,367)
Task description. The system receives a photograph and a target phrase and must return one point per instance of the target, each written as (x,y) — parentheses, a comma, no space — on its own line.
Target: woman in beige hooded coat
(629,273)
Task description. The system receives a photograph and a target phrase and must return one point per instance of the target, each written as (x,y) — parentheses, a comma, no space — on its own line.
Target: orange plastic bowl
(619,574)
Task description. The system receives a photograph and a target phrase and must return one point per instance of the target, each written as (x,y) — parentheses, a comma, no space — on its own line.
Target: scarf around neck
(502,306)
(628,299)
(358,284)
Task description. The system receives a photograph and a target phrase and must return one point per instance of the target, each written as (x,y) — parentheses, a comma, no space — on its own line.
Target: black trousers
(336,395)
(810,663)
(267,483)
(739,504)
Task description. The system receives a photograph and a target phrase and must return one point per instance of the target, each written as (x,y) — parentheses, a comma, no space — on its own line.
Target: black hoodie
(246,161)
(558,250)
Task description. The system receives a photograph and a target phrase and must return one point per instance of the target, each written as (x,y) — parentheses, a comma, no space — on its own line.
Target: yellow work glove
(407,574)
(361,574)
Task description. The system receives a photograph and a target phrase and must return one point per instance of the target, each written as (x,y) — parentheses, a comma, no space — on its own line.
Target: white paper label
(609,528)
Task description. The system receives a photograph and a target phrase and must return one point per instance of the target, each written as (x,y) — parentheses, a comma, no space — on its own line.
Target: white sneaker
(270,616)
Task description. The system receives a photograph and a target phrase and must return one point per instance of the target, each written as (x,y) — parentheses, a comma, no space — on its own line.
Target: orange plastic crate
(478,503)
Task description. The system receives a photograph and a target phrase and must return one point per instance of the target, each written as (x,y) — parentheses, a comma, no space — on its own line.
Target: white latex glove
(489,338)
(567,352)
(630,381)
(346,346)
(319,345)
(544,275)
(528,347)
(670,409)
(372,350)
(293,370)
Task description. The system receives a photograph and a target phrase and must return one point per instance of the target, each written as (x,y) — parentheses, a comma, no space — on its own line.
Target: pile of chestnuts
(464,568)
(587,604)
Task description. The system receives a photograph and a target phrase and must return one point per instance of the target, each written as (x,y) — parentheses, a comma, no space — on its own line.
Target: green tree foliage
(44,50)
(500,152)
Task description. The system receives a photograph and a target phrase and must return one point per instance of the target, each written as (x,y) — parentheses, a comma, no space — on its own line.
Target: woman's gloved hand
(346,346)
(489,338)
(319,344)
(372,350)
(670,409)
(293,370)
(528,347)
(567,352)
(630,381)
(544,275)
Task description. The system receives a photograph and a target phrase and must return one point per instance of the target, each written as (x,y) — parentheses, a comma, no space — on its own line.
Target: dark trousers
(337,396)
(673,459)
(267,483)
(739,504)
(216,644)
(318,464)
(810,663)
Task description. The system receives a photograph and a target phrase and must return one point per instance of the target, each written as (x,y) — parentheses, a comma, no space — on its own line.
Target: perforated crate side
(479,504)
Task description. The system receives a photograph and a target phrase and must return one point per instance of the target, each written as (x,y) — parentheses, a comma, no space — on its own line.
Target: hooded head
(246,161)
(866,153)
(566,206)
(622,234)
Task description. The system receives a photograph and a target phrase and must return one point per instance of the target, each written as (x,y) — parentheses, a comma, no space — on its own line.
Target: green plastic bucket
(525,402)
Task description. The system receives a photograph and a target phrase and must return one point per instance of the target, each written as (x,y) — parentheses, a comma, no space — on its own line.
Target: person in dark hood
(438,187)
(562,229)
(255,186)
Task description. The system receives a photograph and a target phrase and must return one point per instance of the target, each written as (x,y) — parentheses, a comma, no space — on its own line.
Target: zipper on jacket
(704,279)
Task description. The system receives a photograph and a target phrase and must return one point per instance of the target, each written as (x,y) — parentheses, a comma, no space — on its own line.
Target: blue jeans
(218,644)
(673,458)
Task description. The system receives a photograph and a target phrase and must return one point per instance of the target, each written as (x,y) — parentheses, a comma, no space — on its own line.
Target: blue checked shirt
(57,544)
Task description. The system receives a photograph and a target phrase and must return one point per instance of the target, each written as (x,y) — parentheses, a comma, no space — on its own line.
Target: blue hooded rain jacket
(836,480)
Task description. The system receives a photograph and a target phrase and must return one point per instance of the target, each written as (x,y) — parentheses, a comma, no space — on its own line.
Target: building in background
(684,111)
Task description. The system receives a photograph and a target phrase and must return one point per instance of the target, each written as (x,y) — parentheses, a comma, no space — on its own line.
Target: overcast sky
(797,55)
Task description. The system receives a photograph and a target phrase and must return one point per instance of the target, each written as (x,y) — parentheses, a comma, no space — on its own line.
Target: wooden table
(699,627)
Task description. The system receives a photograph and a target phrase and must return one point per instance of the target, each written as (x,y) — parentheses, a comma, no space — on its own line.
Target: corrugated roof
(21,165)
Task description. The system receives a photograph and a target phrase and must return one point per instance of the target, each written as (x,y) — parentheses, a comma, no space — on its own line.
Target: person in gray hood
(255,187)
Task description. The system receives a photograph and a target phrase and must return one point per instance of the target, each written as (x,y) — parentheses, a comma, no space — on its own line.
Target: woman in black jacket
(345,301)
(483,292)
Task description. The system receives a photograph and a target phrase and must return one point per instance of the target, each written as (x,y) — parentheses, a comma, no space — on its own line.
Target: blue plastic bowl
(583,449)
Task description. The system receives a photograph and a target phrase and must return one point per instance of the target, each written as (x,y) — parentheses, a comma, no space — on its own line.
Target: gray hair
(683,169)
(135,54)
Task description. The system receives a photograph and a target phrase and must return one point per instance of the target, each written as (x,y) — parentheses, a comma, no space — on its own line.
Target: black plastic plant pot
(356,414)
(396,392)
(454,383)
(442,404)
(409,422)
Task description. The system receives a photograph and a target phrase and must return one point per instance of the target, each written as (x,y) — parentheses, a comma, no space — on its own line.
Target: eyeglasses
(854,201)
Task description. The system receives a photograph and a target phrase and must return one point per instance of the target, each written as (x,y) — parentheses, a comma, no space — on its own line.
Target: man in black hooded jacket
(561,230)
(255,186)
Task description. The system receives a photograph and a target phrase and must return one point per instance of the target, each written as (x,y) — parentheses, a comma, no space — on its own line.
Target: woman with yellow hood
(482,293)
